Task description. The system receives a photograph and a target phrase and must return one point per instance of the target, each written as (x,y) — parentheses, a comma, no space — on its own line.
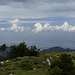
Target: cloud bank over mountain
(38,27)
(38,22)
(47,27)
(42,32)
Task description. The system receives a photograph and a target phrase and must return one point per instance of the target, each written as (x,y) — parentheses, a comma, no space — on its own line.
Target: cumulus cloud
(16,27)
(38,28)
(2,29)
(47,27)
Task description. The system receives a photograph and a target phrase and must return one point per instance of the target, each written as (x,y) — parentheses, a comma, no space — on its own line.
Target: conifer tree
(3,48)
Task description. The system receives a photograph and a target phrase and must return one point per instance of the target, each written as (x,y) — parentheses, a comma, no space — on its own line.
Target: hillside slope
(39,65)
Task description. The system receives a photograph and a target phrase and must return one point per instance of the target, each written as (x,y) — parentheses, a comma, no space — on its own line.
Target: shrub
(54,71)
(26,65)
(73,57)
(37,61)
(64,65)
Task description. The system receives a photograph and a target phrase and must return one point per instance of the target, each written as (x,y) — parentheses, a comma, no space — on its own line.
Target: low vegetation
(22,60)
(62,66)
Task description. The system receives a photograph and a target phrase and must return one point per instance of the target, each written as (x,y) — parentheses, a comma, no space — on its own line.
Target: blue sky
(44,23)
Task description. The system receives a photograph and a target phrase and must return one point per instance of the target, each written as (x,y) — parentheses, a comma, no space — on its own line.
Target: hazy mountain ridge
(57,48)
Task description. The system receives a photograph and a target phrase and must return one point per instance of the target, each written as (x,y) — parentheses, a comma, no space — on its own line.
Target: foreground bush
(62,66)
(54,71)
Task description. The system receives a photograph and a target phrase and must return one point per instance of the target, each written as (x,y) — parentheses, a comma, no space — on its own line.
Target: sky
(37,8)
(44,23)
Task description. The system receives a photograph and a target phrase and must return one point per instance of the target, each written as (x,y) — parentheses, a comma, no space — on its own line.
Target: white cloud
(38,28)
(16,27)
(2,29)
(16,21)
(48,27)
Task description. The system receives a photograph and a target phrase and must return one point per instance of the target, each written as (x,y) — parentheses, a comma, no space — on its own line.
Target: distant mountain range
(57,48)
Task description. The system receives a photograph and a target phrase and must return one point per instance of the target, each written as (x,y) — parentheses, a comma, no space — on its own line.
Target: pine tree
(3,48)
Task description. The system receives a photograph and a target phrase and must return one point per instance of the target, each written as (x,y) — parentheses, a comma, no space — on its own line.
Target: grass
(13,66)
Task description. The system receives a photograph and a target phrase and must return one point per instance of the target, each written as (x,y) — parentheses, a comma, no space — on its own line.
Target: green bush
(37,61)
(64,65)
(73,57)
(10,68)
(26,65)
(54,71)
